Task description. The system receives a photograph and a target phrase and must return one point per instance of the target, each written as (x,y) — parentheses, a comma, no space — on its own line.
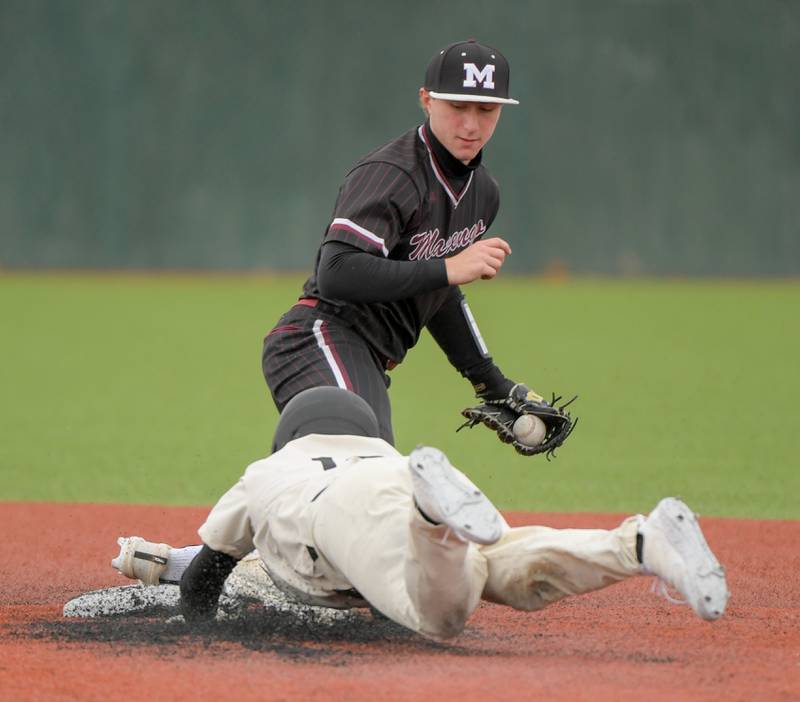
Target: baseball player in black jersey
(408,229)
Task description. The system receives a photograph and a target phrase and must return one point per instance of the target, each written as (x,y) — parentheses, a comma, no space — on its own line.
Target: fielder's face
(463,128)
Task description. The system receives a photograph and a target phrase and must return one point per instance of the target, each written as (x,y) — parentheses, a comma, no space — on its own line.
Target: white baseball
(529,430)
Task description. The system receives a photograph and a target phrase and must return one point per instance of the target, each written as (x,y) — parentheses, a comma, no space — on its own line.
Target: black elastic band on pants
(639,547)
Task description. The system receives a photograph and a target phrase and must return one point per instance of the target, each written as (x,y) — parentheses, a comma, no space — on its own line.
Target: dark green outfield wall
(654,136)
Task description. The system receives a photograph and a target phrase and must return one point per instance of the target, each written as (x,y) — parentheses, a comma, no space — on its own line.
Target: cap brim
(455,97)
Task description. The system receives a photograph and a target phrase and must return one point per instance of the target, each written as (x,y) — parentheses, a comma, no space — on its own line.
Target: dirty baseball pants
(429,580)
(366,533)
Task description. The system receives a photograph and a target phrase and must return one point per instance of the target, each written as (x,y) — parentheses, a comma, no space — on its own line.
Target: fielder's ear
(424,100)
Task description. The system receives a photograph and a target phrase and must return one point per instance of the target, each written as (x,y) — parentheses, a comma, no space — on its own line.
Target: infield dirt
(622,643)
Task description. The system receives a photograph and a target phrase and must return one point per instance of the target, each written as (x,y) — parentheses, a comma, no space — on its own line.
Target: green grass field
(123,388)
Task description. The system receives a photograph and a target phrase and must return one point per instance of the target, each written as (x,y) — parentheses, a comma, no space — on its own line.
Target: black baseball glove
(500,415)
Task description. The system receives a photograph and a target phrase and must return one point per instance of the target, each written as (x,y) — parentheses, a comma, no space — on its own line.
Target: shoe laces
(660,587)
(454,533)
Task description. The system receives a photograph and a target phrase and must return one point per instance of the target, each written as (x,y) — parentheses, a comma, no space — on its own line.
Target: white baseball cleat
(675,550)
(141,560)
(446,496)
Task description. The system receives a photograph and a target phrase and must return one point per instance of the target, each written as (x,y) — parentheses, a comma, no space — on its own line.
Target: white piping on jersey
(476,333)
(326,350)
(348,224)
(455,199)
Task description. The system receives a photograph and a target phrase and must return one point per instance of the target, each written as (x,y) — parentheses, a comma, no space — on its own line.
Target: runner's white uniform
(331,513)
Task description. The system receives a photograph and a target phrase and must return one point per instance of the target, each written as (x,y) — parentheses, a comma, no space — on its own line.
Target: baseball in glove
(500,415)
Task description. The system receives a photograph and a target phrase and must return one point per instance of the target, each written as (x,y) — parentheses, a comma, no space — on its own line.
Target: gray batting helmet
(324,410)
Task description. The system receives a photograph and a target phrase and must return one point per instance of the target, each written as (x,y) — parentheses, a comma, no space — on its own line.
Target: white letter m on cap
(472,76)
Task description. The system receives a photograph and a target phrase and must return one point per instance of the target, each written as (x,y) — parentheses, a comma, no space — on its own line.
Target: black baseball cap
(469,72)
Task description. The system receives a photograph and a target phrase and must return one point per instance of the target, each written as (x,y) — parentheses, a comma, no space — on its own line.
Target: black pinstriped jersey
(398,203)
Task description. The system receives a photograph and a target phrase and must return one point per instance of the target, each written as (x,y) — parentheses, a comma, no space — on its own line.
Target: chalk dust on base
(246,586)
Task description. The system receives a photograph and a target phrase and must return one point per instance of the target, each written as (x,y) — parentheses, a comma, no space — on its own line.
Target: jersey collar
(446,167)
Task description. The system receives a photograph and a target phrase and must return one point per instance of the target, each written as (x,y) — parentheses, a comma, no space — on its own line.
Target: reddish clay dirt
(622,643)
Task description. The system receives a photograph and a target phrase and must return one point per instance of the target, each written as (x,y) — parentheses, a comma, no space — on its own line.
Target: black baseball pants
(309,348)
